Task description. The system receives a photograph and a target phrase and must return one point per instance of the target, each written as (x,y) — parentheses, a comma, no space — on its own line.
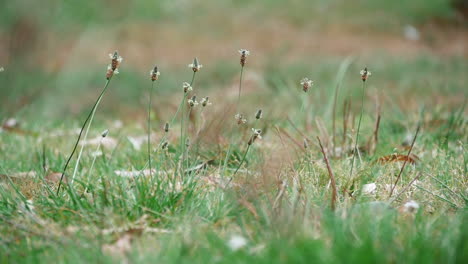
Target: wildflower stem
(242,161)
(228,153)
(240,88)
(182,129)
(149,128)
(90,119)
(92,165)
(355,149)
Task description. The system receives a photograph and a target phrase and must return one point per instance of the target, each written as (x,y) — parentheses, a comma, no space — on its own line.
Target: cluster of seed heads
(187,87)
(114,65)
(105,133)
(165,145)
(244,53)
(192,102)
(306,84)
(195,65)
(240,119)
(256,135)
(154,74)
(205,101)
(259,114)
(365,74)
(166,127)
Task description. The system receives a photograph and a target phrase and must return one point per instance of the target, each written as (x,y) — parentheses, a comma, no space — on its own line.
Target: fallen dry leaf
(399,157)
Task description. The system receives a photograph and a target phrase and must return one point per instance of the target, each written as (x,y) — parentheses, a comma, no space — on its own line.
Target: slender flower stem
(182,129)
(91,113)
(240,87)
(172,120)
(85,137)
(358,128)
(242,161)
(149,127)
(228,153)
(92,165)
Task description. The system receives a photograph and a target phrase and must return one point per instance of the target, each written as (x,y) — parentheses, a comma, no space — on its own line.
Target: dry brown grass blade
(413,159)
(249,206)
(330,173)
(284,132)
(406,161)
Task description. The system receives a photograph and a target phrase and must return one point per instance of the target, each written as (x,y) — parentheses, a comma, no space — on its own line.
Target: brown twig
(330,173)
(406,161)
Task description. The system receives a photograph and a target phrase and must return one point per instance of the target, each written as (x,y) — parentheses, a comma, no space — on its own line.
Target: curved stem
(91,113)
(358,128)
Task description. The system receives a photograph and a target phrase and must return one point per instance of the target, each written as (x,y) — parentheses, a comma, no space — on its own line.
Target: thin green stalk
(359,127)
(149,127)
(85,137)
(240,87)
(182,129)
(228,153)
(92,165)
(242,161)
(91,113)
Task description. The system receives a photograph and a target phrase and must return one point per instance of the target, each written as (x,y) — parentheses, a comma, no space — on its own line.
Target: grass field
(214,191)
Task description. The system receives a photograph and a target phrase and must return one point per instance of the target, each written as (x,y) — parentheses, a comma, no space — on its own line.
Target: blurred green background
(55,53)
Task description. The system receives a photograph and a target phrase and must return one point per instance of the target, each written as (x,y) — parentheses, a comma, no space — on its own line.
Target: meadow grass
(136,202)
(279,202)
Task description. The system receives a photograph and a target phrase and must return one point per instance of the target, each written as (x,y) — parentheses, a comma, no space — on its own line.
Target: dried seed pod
(244,53)
(256,135)
(195,65)
(154,74)
(105,133)
(365,74)
(259,114)
(306,84)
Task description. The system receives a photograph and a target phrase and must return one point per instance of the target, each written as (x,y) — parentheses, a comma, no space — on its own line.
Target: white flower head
(244,52)
(365,74)
(257,133)
(236,242)
(192,101)
(411,206)
(2,69)
(205,101)
(195,65)
(115,56)
(240,119)
(369,188)
(154,73)
(306,84)
(187,87)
